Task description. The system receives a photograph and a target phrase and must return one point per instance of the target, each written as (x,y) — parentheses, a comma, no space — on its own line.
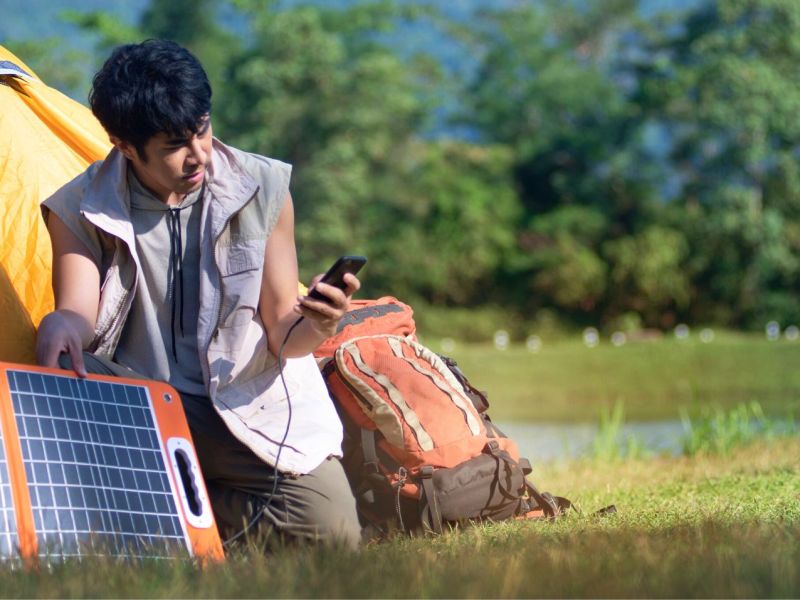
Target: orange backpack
(419,451)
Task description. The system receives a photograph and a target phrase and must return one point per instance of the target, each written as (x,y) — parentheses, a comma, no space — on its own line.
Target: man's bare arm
(76,287)
(279,304)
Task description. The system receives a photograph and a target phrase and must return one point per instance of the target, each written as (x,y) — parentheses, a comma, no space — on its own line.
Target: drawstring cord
(176,267)
(176,270)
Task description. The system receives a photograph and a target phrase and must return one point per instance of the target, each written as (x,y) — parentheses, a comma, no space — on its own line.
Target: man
(174,259)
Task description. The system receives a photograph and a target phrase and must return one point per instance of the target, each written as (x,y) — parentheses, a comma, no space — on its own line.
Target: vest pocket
(244,256)
(241,267)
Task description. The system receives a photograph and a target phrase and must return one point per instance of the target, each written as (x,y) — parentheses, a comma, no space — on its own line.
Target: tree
(549,85)
(648,275)
(449,238)
(315,90)
(191,23)
(725,86)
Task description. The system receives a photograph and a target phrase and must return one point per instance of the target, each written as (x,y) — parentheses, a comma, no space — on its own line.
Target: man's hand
(324,316)
(76,287)
(62,331)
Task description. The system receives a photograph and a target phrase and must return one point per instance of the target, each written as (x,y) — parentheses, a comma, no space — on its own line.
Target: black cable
(277,475)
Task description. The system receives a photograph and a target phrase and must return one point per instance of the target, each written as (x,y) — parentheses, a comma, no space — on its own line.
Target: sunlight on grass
(566,381)
(720,520)
(702,526)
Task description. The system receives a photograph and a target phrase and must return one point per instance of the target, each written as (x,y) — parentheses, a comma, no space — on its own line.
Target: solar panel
(8,526)
(99,465)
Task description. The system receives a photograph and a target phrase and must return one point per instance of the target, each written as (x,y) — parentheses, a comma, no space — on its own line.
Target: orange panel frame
(28,546)
(171,424)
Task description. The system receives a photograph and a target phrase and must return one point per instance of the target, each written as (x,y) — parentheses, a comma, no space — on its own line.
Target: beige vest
(244,196)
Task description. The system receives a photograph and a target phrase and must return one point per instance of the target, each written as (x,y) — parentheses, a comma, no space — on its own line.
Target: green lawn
(566,381)
(706,526)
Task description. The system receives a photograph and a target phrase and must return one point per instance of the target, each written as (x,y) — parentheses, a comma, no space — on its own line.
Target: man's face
(172,166)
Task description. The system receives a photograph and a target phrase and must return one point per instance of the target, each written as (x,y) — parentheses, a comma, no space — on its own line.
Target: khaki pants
(318,506)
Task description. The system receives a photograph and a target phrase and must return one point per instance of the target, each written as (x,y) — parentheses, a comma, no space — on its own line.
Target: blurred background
(531,167)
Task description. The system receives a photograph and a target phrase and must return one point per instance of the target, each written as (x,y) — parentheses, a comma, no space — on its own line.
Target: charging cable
(277,474)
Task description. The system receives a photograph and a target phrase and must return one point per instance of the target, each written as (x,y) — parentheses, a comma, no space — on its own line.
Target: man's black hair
(149,88)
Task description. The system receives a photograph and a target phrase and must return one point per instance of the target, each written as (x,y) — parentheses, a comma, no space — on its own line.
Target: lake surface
(553,441)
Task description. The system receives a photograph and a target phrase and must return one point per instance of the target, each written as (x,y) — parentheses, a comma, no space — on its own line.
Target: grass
(702,526)
(723,520)
(565,381)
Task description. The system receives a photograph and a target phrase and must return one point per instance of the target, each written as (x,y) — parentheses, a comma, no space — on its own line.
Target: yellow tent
(46,139)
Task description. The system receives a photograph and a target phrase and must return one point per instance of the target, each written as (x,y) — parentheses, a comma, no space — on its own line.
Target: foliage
(723,83)
(647,275)
(339,107)
(60,69)
(601,161)
(459,219)
(716,430)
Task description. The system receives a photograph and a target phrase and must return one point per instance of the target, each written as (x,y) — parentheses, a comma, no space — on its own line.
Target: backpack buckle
(426,472)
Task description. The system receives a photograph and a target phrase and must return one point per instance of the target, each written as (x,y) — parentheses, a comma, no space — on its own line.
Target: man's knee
(336,522)
(339,519)
(317,507)
(324,505)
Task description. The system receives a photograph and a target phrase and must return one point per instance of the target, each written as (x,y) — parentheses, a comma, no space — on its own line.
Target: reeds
(718,431)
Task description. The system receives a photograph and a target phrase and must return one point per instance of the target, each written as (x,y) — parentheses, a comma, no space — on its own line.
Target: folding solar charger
(101,465)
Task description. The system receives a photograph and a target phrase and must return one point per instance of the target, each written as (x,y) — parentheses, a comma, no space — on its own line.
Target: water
(552,441)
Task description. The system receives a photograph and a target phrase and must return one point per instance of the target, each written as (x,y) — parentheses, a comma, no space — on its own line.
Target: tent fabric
(46,139)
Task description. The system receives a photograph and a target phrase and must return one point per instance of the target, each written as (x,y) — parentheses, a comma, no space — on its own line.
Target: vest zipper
(215,335)
(117,316)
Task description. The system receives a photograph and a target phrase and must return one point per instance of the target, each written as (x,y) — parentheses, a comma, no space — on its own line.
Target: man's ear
(126,148)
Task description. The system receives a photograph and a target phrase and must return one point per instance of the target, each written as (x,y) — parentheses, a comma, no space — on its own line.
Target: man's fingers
(317,309)
(76,354)
(48,356)
(353,284)
(335,299)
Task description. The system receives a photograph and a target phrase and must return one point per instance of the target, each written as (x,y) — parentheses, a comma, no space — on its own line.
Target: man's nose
(196,151)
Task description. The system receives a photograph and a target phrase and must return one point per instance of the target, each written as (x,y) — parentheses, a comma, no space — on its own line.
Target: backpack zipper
(402,476)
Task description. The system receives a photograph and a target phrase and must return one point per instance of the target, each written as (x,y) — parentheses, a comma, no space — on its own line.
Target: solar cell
(101,476)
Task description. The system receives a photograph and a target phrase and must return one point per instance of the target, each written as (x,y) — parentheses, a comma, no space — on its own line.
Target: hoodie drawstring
(175,271)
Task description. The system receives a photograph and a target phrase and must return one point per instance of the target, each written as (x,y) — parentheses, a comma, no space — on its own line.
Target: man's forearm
(304,338)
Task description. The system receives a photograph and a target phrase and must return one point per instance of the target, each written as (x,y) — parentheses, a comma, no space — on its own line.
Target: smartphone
(335,275)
